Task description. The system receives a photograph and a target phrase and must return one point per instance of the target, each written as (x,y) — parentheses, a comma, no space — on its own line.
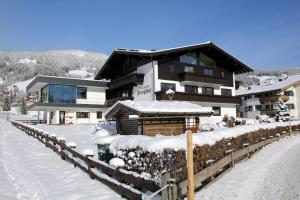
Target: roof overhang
(40,81)
(209,48)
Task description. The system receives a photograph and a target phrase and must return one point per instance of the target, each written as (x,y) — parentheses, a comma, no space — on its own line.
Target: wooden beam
(190,166)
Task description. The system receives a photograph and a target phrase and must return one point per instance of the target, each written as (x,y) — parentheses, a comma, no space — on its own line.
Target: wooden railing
(111,102)
(199,78)
(229,160)
(134,78)
(128,184)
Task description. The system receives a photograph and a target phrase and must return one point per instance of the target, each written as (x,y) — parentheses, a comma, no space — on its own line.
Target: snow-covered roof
(160,107)
(264,87)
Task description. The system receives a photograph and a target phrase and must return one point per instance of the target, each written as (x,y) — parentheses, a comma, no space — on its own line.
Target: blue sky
(259,33)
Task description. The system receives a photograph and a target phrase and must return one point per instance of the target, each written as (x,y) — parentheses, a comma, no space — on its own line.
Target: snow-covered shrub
(230,121)
(104,128)
(265,119)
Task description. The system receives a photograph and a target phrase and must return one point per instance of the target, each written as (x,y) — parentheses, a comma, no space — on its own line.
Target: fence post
(62,150)
(232,160)
(190,166)
(89,165)
(290,128)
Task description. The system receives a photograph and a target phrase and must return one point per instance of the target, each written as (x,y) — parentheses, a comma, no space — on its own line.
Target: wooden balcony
(181,96)
(132,78)
(111,102)
(199,78)
(270,99)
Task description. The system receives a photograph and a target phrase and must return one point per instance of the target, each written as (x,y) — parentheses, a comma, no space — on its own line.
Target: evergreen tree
(23,106)
(6,103)
(282,112)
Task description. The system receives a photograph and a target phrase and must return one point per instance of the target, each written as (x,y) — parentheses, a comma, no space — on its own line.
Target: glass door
(62,117)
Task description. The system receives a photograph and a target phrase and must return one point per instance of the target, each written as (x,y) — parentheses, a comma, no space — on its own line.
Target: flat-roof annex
(65,81)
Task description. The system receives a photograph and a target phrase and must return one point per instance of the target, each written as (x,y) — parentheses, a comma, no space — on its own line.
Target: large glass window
(68,94)
(62,94)
(258,107)
(166,86)
(226,92)
(55,93)
(208,90)
(206,61)
(191,89)
(45,94)
(81,93)
(190,58)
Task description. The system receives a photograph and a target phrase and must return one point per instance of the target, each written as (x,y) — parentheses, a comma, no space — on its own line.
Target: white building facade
(66,100)
(261,98)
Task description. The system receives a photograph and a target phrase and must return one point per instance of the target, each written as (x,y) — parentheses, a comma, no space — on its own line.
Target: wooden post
(62,150)
(190,166)
(89,166)
(232,160)
(164,181)
(290,128)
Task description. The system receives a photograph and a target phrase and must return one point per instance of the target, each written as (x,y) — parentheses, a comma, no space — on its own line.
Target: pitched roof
(235,65)
(276,85)
(160,107)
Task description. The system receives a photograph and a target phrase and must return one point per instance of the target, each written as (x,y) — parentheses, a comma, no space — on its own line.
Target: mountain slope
(16,66)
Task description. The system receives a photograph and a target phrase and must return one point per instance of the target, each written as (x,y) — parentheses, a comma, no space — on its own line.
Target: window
(226,92)
(208,90)
(258,96)
(258,107)
(191,89)
(81,92)
(189,58)
(189,69)
(45,94)
(248,108)
(166,86)
(68,94)
(288,93)
(217,111)
(172,68)
(206,61)
(267,107)
(290,105)
(208,72)
(99,115)
(82,115)
(62,93)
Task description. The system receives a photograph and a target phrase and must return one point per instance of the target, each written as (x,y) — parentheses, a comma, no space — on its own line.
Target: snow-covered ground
(29,170)
(78,133)
(272,173)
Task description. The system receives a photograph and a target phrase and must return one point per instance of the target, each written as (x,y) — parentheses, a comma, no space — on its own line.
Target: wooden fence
(232,156)
(126,183)
(131,185)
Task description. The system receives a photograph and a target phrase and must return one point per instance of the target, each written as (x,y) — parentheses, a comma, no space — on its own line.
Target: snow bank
(108,139)
(159,143)
(88,152)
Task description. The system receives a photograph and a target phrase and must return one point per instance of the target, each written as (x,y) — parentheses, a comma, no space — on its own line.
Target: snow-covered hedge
(156,154)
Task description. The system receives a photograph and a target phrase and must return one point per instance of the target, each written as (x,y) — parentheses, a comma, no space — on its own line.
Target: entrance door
(62,117)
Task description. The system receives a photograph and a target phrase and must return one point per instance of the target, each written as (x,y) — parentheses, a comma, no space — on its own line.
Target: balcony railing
(134,78)
(111,102)
(199,78)
(181,96)
(273,98)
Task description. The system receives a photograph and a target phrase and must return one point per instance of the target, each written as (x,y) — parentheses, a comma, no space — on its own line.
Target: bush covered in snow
(154,156)
(104,128)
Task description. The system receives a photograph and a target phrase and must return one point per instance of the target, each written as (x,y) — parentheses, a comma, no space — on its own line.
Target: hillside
(21,66)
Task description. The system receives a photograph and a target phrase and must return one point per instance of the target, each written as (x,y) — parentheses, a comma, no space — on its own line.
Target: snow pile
(117,162)
(108,139)
(104,128)
(159,143)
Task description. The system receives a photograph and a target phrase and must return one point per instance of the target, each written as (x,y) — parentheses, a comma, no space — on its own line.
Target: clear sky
(259,33)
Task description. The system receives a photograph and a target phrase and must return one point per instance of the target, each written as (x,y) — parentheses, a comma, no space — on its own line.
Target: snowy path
(273,173)
(29,170)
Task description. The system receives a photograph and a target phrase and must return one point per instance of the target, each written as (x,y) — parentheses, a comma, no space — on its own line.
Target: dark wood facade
(122,65)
